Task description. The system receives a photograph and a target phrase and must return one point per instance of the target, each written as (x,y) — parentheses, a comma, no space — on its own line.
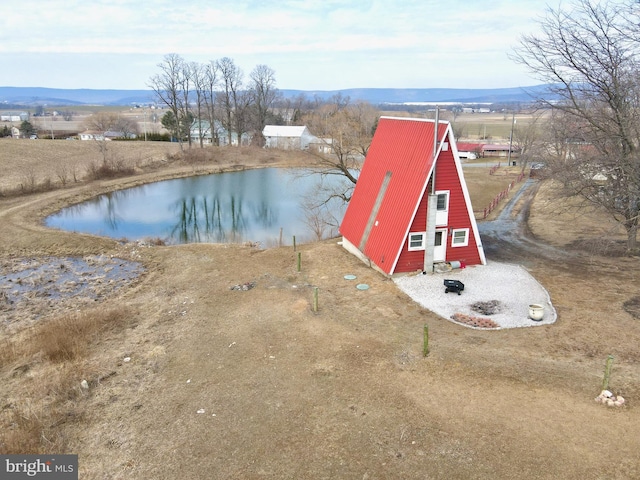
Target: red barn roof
(469,147)
(389,198)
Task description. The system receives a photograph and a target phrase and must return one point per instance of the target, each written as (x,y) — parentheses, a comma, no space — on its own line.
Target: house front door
(440,249)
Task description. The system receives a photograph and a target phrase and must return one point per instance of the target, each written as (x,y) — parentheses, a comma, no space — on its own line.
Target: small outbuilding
(410,208)
(287,137)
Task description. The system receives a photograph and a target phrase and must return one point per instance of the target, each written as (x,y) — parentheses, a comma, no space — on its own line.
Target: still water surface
(261,205)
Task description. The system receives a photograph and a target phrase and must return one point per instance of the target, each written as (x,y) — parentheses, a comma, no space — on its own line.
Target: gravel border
(513,286)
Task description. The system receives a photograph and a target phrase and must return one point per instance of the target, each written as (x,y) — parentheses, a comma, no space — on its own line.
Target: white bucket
(536,312)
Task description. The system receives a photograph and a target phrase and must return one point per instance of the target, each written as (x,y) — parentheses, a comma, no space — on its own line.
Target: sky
(310,44)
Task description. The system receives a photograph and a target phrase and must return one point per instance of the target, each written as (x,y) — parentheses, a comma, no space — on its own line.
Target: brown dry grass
(54,354)
(339,393)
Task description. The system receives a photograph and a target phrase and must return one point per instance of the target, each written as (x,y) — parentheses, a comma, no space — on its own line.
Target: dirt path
(508,237)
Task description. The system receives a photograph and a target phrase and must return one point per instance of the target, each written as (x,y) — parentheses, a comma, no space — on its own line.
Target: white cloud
(360,43)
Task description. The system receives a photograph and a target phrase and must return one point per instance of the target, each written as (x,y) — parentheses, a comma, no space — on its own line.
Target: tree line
(200,96)
(203,95)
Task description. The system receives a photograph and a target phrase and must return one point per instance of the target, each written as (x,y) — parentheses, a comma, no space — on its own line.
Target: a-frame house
(410,208)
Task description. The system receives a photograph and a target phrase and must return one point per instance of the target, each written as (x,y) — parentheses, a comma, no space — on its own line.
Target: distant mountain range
(32,96)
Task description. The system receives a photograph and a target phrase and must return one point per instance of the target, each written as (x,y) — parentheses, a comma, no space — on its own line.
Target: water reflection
(263,205)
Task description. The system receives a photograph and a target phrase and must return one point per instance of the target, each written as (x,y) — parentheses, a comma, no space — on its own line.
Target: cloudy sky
(310,44)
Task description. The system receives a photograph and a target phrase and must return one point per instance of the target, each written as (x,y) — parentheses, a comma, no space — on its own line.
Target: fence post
(425,341)
(315,299)
(607,373)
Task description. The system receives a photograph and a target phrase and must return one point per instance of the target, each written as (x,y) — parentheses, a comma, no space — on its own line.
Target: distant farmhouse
(217,135)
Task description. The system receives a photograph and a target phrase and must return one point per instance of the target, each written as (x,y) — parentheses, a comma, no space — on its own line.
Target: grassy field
(177,375)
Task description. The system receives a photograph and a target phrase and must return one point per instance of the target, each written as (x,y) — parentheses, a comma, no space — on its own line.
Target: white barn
(287,137)
(14,117)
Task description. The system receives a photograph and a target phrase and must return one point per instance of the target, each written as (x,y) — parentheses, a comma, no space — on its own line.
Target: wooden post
(315,299)
(425,344)
(299,260)
(280,240)
(607,373)
(294,243)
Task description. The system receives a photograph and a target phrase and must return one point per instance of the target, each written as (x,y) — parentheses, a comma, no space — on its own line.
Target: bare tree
(527,138)
(199,79)
(210,84)
(263,87)
(128,127)
(293,109)
(167,86)
(185,82)
(231,82)
(588,54)
(346,131)
(101,121)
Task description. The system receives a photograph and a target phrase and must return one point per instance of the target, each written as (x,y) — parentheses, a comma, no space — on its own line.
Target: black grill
(453,286)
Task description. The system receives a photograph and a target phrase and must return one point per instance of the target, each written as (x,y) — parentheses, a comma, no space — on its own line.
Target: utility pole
(513,122)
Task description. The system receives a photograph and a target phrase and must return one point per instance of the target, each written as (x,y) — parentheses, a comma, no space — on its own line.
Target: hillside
(32,96)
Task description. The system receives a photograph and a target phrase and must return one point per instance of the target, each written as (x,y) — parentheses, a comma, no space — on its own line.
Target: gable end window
(460,237)
(443,201)
(416,241)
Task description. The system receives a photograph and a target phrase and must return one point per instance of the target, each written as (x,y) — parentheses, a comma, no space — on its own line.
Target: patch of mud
(632,307)
(31,288)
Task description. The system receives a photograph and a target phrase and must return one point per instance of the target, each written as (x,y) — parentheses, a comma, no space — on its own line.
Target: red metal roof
(469,147)
(403,147)
(496,147)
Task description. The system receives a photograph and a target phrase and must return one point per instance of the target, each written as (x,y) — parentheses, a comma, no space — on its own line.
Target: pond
(266,206)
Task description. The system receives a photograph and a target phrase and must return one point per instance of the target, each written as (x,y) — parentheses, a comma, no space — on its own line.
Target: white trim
(448,136)
(422,242)
(442,216)
(351,248)
(466,237)
(440,251)
(426,181)
(467,198)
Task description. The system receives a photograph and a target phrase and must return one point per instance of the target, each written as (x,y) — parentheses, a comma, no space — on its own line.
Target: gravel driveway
(510,287)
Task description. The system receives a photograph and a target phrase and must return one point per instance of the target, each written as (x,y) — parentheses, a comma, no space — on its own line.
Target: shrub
(70,336)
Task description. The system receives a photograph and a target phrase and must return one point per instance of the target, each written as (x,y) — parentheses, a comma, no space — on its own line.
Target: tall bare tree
(185,83)
(168,85)
(588,54)
(199,80)
(231,83)
(263,87)
(211,80)
(527,137)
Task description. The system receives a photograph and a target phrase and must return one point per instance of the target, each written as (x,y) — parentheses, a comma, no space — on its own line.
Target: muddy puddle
(31,288)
